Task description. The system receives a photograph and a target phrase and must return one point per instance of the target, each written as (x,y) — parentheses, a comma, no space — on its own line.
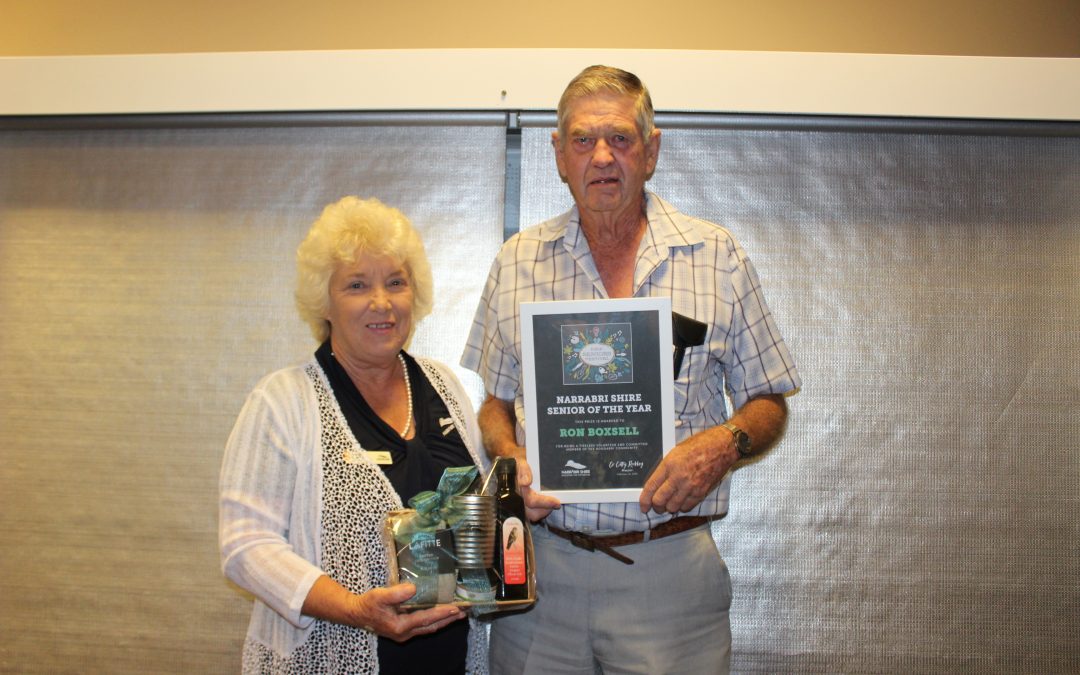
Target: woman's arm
(259,477)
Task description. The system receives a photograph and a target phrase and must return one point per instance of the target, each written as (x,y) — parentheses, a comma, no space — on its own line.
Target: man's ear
(556,144)
(652,153)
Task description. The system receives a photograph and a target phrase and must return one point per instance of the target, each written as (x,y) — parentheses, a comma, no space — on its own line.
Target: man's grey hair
(605,79)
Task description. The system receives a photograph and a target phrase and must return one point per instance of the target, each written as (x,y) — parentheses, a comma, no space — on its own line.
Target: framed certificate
(598,395)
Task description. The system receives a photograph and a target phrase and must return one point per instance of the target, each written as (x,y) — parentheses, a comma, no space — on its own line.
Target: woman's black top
(416,465)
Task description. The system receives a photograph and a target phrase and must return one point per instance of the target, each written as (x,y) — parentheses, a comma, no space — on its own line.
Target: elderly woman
(323,450)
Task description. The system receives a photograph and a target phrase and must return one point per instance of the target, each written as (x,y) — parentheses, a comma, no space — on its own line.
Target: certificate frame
(598,395)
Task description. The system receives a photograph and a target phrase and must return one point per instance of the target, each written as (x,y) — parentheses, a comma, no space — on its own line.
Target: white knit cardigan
(270,499)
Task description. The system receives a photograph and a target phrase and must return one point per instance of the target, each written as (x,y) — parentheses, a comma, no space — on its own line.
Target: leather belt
(606,544)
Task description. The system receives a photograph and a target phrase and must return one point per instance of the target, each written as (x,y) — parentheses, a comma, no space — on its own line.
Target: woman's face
(370,310)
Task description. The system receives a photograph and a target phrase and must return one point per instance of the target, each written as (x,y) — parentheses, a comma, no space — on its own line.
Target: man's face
(603,159)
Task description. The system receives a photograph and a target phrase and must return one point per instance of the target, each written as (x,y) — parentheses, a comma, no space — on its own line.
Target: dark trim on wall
(844,123)
(524,119)
(255,120)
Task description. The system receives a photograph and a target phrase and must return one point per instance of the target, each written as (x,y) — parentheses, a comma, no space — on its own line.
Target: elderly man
(631,587)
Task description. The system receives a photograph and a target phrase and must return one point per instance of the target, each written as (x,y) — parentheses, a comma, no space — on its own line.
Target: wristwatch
(742,440)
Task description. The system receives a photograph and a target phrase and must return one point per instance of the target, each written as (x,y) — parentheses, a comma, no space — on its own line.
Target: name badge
(380,457)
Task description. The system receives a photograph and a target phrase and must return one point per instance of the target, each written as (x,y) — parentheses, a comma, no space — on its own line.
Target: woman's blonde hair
(346,229)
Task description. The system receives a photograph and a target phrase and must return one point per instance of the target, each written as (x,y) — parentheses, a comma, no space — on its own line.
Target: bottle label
(513,545)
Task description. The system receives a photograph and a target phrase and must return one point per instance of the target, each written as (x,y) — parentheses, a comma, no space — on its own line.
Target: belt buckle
(582,541)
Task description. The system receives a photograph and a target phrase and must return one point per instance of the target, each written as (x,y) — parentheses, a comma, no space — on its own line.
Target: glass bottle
(511,558)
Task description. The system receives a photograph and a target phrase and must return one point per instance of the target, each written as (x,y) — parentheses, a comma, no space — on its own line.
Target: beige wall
(951,27)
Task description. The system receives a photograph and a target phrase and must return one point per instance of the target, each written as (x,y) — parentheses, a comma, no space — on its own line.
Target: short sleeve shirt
(708,277)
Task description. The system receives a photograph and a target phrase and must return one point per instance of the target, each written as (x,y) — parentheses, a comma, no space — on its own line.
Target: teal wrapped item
(433,507)
(423,539)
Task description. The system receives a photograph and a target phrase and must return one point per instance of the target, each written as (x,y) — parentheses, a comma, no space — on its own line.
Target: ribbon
(433,509)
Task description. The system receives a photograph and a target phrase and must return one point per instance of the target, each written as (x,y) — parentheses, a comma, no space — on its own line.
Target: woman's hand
(379,611)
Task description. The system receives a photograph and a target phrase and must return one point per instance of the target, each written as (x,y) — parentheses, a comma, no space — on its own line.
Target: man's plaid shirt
(708,277)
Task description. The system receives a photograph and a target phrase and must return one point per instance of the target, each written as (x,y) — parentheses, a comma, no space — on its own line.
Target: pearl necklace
(408,395)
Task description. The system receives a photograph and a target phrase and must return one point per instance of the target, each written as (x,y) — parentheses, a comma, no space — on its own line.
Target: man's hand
(689,472)
(697,465)
(497,422)
(537,506)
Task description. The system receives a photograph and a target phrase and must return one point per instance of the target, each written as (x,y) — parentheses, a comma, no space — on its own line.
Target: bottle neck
(506,475)
(506,483)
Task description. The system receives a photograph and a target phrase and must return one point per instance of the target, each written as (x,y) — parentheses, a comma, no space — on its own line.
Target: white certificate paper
(599,399)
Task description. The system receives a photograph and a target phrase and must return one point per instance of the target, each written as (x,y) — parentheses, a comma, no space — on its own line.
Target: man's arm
(697,465)
(497,426)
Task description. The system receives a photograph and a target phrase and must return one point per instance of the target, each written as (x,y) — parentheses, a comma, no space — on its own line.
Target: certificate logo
(572,468)
(597,353)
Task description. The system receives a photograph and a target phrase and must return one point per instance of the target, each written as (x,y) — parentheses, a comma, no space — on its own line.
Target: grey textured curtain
(922,512)
(146,280)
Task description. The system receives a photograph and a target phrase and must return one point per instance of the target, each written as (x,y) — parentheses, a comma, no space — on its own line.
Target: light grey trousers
(665,614)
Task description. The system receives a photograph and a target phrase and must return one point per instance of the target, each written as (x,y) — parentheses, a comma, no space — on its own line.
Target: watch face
(742,439)
(742,442)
